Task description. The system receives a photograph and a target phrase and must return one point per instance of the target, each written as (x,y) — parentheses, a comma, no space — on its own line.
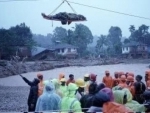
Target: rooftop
(133,43)
(36,50)
(61,46)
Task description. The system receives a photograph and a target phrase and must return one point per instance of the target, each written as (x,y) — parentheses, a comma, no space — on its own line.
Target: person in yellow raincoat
(69,103)
(63,87)
(125,97)
(81,86)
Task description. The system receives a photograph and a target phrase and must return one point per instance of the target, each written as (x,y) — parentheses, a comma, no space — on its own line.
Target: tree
(114,40)
(115,35)
(43,41)
(6,40)
(143,31)
(141,34)
(100,43)
(22,35)
(13,38)
(131,28)
(70,37)
(59,34)
(82,37)
(126,41)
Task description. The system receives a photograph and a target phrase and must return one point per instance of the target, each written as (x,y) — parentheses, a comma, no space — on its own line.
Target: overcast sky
(99,22)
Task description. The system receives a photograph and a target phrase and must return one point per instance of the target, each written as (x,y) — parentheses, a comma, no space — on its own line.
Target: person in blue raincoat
(49,100)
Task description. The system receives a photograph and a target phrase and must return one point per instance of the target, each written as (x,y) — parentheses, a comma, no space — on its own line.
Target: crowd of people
(123,92)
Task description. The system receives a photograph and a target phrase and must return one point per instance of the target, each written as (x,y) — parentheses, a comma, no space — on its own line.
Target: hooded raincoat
(57,87)
(69,103)
(108,80)
(49,100)
(99,100)
(87,100)
(61,75)
(99,87)
(109,92)
(110,107)
(119,96)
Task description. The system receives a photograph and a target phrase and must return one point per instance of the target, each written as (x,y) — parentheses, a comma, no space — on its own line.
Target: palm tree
(100,42)
(132,28)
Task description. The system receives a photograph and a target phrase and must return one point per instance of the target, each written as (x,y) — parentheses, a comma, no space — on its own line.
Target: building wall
(142,48)
(125,50)
(67,51)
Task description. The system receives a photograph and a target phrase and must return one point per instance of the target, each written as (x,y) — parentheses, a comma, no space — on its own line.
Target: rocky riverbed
(13,98)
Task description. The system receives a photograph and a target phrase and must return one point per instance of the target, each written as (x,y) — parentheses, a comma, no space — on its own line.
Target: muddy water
(77,71)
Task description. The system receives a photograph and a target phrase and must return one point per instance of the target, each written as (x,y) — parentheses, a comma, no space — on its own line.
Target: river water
(79,72)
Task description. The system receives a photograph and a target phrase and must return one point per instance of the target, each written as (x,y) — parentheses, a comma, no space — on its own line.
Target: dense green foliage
(13,38)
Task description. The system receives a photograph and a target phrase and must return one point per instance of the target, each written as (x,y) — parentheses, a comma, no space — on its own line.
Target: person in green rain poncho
(63,87)
(57,87)
(123,96)
(69,103)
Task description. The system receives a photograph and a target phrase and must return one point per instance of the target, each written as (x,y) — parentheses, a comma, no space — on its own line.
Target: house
(135,50)
(36,53)
(65,50)
(39,53)
(23,51)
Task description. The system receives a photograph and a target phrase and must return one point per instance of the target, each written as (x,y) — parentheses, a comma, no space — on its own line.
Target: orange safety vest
(40,88)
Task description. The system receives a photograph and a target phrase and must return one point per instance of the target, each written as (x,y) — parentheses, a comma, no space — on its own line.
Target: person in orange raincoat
(130,74)
(148,82)
(120,73)
(147,73)
(130,83)
(122,82)
(108,80)
(41,84)
(116,79)
(61,75)
(70,80)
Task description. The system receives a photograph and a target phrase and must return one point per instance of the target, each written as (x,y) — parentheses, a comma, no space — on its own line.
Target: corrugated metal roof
(61,46)
(36,50)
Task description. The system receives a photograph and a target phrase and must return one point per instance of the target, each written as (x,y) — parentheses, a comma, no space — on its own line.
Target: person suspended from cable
(64,17)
